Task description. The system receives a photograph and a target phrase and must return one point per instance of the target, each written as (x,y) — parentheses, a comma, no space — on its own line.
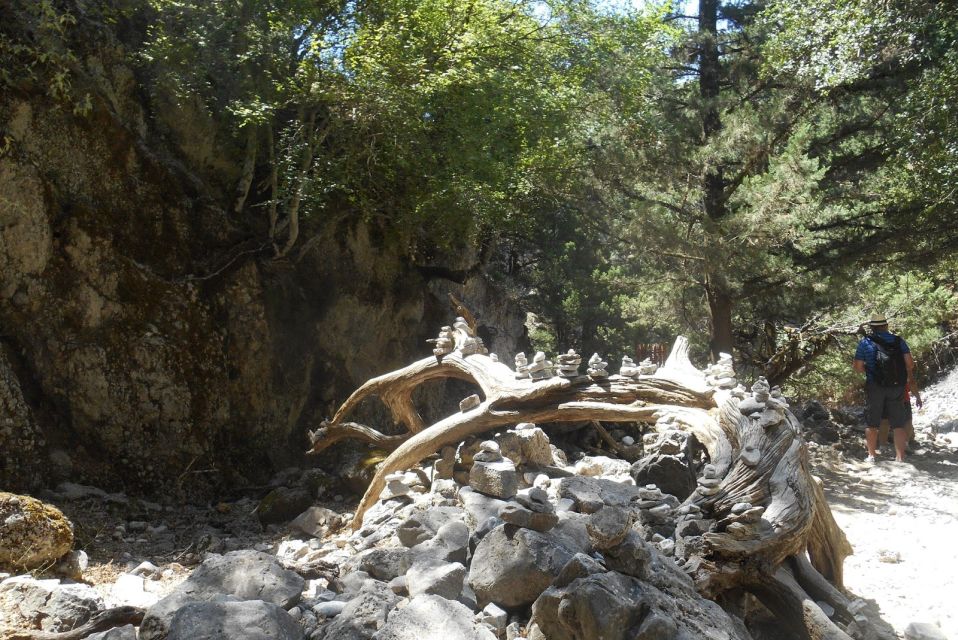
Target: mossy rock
(282,504)
(33,534)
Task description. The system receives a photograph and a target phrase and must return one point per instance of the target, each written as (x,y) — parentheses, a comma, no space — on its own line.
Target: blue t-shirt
(866,351)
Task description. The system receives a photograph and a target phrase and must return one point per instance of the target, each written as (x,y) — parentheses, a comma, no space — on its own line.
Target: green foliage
(918,306)
(437,120)
(36,49)
(574,146)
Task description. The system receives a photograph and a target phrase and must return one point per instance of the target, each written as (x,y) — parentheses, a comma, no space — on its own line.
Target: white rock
(129,590)
(435,577)
(601,466)
(495,616)
(329,609)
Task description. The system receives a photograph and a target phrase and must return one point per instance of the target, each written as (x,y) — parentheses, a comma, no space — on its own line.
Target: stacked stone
(647,367)
(467,342)
(522,366)
(761,389)
(445,343)
(446,465)
(597,367)
(721,374)
(755,402)
(540,369)
(654,506)
(569,364)
(744,521)
(628,368)
(745,512)
(765,404)
(532,510)
(690,524)
(709,481)
(492,474)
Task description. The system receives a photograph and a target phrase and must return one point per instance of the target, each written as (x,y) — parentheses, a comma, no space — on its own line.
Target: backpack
(890,368)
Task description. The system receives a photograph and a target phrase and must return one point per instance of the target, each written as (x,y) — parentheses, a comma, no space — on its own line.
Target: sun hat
(878,320)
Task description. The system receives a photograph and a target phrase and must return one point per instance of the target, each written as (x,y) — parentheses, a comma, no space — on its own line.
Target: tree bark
(720,314)
(713,186)
(249,167)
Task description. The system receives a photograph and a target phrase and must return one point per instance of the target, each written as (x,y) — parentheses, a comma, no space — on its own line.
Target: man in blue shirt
(885,398)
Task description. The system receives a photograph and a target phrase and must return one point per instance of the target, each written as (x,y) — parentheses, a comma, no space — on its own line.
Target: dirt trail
(902,520)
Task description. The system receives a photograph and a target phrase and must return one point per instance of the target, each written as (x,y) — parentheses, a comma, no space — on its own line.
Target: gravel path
(901,519)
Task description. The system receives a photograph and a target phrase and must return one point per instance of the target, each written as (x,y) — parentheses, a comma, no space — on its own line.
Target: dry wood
(761,459)
(100,621)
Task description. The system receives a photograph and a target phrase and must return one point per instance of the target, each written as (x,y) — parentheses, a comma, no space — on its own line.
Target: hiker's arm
(912,384)
(859,366)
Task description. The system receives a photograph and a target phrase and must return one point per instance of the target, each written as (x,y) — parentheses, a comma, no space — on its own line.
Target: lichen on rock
(33,534)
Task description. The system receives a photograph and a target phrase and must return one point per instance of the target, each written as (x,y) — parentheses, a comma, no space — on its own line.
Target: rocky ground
(449,559)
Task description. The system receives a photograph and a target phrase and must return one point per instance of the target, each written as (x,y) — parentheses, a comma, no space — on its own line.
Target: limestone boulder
(528,445)
(435,577)
(380,563)
(48,604)
(614,606)
(364,614)
(244,575)
(497,479)
(249,620)
(33,534)
(512,566)
(601,466)
(431,617)
(588,495)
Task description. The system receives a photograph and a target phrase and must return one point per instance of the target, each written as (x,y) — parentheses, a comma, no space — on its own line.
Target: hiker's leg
(874,410)
(901,439)
(871,439)
(898,418)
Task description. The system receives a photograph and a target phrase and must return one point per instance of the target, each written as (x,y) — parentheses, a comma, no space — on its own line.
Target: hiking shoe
(870,460)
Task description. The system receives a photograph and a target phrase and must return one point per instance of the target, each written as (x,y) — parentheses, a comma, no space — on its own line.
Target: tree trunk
(713,186)
(713,181)
(720,314)
(249,168)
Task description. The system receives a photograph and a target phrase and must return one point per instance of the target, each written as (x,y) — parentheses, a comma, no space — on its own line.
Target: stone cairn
(628,368)
(647,367)
(540,369)
(597,367)
(522,366)
(569,364)
(721,374)
(467,342)
(445,343)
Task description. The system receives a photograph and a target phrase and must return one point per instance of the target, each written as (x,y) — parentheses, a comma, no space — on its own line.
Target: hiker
(886,361)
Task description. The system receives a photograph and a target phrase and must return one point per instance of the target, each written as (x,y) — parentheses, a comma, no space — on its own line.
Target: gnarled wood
(100,621)
(759,458)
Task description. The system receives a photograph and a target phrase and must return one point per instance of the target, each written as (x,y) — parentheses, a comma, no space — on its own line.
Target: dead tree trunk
(772,533)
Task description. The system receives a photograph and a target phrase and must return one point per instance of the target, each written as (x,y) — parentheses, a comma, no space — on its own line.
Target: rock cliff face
(148,342)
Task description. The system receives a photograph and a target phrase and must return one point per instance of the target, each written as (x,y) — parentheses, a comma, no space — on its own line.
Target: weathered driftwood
(507,401)
(760,458)
(100,621)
